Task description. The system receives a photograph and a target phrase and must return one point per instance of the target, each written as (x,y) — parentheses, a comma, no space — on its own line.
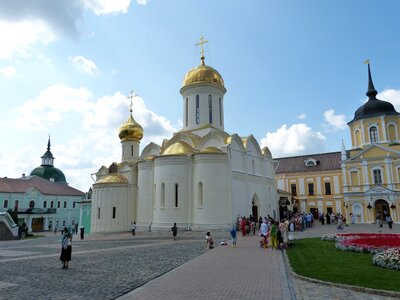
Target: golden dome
(178,148)
(203,74)
(130,130)
(211,150)
(112,178)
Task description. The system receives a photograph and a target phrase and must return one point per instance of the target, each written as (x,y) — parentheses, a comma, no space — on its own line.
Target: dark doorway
(382,209)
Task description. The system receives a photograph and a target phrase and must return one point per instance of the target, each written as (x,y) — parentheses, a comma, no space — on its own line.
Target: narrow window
(63,223)
(293,187)
(58,204)
(373,133)
(200,195)
(52,204)
(220,111)
(354,178)
(186,111)
(392,133)
(131,150)
(197,109)
(32,204)
(377,176)
(45,204)
(114,212)
(162,202)
(16,205)
(311,189)
(176,195)
(5,204)
(98,213)
(210,109)
(65,204)
(73,204)
(253,166)
(154,196)
(327,188)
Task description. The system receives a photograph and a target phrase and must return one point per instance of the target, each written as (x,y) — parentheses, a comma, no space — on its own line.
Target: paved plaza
(153,266)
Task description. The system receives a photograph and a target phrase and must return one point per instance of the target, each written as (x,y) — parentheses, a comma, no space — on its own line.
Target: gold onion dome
(203,74)
(178,148)
(130,130)
(112,178)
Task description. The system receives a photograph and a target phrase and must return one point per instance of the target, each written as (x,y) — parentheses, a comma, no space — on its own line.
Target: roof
(46,187)
(49,172)
(295,164)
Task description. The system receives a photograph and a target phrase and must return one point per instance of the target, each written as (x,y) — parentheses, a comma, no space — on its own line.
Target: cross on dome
(201,44)
(130,98)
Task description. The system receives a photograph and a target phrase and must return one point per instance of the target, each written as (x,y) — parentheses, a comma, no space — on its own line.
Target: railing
(6,218)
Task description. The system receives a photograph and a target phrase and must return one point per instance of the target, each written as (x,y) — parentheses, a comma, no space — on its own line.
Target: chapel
(200,178)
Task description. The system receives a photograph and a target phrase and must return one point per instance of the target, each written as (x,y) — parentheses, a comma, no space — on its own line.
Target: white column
(366,175)
(383,129)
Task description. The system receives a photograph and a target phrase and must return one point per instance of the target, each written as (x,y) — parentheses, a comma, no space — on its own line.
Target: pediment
(375,150)
(378,190)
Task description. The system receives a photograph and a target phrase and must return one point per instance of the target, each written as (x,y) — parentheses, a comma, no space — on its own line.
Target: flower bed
(389,259)
(386,247)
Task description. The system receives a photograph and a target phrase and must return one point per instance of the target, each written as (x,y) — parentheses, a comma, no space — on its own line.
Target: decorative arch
(236,142)
(392,133)
(373,133)
(152,149)
(357,137)
(382,209)
(358,213)
(255,202)
(253,147)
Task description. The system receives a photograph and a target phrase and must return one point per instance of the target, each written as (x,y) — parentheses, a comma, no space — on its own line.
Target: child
(233,236)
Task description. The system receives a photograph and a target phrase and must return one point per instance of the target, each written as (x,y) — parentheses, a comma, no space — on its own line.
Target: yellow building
(363,182)
(371,169)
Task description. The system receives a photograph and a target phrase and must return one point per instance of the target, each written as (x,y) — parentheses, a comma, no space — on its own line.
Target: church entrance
(283,208)
(254,207)
(37,224)
(381,209)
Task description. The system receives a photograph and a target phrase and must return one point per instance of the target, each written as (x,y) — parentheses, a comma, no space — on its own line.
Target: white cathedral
(201,178)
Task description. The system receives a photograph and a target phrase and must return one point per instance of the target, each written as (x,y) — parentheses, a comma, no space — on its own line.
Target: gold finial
(201,43)
(366,62)
(130,97)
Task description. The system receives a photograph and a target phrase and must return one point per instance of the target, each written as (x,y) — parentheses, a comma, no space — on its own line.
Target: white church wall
(145,194)
(171,170)
(212,171)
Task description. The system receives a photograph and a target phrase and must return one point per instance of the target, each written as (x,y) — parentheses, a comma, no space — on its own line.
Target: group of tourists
(274,234)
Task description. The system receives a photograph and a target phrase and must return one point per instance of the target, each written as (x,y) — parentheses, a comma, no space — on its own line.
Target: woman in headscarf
(66,248)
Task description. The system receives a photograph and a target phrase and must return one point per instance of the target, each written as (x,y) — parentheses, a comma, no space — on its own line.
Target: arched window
(377,176)
(197,109)
(354,178)
(32,204)
(176,194)
(357,137)
(52,204)
(392,133)
(253,166)
(373,134)
(210,109)
(200,195)
(162,202)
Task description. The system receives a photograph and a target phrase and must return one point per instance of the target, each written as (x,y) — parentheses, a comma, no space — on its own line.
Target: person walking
(233,236)
(274,235)
(389,220)
(174,230)
(209,241)
(66,248)
(133,227)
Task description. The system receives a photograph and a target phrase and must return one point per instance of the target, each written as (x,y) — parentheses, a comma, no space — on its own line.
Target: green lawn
(321,260)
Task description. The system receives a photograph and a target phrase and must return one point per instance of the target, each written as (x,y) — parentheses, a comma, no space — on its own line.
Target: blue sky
(293,70)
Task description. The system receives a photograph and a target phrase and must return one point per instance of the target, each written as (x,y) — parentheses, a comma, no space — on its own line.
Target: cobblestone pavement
(112,266)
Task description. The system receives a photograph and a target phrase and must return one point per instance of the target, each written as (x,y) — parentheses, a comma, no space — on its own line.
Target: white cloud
(334,122)
(8,72)
(302,117)
(295,140)
(17,38)
(85,65)
(101,7)
(142,2)
(392,96)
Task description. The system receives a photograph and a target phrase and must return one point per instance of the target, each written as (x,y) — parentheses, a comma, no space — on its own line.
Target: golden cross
(130,97)
(201,43)
(366,62)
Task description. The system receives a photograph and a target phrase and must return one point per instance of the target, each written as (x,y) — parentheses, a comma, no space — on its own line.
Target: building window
(52,204)
(373,134)
(45,204)
(65,204)
(377,176)
(187,111)
(5,204)
(392,133)
(16,203)
(293,188)
(220,111)
(210,109)
(197,109)
(73,204)
(154,196)
(162,202)
(176,194)
(200,195)
(114,212)
(354,178)
(32,204)
(253,166)
(311,189)
(58,204)
(327,188)
(131,150)
(98,213)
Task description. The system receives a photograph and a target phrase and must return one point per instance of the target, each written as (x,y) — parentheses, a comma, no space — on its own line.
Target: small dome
(130,130)
(203,74)
(178,148)
(373,108)
(50,173)
(112,178)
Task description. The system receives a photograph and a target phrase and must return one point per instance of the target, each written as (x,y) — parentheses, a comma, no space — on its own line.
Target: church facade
(362,183)
(201,178)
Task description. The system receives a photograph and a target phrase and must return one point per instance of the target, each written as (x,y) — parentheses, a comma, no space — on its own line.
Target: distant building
(42,200)
(362,183)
